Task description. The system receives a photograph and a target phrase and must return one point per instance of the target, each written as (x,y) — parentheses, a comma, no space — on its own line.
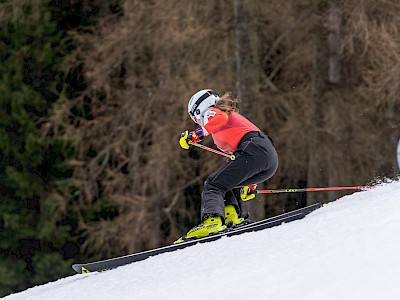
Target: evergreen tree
(36,227)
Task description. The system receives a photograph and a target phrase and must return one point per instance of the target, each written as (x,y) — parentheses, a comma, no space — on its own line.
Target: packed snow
(348,249)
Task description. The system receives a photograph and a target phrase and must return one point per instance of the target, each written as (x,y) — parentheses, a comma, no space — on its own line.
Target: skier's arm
(214,119)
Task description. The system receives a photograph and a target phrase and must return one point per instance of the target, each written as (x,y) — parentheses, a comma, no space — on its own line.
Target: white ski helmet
(201,102)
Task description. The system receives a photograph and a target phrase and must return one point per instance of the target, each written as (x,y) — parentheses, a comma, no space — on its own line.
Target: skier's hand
(248,192)
(186,137)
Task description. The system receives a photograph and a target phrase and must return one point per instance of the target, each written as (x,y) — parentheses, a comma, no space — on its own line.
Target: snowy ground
(348,249)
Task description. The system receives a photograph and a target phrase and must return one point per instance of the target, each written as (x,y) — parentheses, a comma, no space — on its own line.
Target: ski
(251,227)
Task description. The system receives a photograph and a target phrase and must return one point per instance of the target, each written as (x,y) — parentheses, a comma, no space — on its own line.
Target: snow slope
(348,249)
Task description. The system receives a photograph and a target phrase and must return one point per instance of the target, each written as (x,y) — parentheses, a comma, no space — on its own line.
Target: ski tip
(78,268)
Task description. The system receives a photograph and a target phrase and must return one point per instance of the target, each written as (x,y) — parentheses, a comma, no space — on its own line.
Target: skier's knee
(212,185)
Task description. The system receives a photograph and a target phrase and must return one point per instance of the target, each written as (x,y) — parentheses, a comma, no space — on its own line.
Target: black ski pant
(256,161)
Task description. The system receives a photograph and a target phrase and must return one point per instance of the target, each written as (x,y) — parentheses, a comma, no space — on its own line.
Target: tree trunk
(326,126)
(247,76)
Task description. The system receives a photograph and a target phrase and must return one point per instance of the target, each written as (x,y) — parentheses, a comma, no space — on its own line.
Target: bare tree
(247,68)
(319,77)
(326,117)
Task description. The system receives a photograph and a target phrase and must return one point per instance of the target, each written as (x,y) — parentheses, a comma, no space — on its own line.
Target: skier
(255,161)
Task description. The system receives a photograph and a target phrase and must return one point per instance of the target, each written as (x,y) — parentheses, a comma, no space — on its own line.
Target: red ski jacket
(226,131)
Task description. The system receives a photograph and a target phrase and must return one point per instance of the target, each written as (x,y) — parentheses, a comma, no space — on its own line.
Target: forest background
(94,97)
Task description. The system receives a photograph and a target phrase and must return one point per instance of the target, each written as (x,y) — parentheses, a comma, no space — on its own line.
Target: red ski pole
(230,156)
(339,188)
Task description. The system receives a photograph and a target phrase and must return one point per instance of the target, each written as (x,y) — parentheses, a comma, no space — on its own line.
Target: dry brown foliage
(142,68)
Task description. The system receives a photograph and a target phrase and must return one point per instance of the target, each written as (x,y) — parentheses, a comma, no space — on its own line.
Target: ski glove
(248,192)
(185,139)
(192,136)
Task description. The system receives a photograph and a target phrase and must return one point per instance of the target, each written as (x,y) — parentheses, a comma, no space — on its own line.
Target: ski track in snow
(348,249)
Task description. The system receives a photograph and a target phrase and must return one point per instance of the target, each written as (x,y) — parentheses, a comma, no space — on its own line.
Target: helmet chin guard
(201,102)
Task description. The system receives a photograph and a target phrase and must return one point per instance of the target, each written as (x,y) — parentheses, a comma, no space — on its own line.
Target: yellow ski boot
(212,223)
(231,215)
